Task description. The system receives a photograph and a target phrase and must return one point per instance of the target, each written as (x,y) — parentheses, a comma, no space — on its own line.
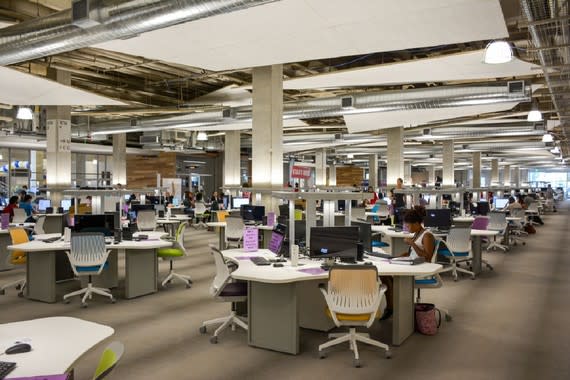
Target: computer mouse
(18,349)
(277,265)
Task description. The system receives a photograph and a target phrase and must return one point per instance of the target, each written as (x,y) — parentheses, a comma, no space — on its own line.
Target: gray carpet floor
(510,323)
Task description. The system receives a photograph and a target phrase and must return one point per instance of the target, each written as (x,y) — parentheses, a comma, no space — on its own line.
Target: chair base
(232,320)
(175,276)
(454,269)
(18,284)
(352,337)
(494,245)
(88,294)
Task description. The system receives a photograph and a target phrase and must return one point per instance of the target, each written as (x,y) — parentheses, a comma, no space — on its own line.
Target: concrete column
(80,169)
(507,175)
(58,144)
(373,171)
(332,175)
(267,139)
(448,164)
(120,159)
(515,176)
(431,175)
(407,172)
(321,168)
(395,155)
(232,158)
(476,163)
(523,176)
(494,172)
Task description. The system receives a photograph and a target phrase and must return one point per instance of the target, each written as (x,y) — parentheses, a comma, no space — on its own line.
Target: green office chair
(175,253)
(109,359)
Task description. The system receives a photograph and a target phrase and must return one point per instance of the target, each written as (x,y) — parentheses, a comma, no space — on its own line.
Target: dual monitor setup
(45,205)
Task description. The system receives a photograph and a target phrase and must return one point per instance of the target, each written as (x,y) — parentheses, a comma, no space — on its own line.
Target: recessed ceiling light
(498,52)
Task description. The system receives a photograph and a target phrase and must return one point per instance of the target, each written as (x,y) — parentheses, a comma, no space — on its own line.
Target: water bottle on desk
(294,255)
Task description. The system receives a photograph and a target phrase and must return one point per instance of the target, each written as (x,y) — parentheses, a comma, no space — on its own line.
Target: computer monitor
(501,203)
(341,205)
(276,242)
(364,234)
(43,204)
(127,197)
(300,232)
(281,228)
(440,218)
(255,213)
(327,242)
(175,202)
(284,210)
(237,202)
(65,204)
(95,223)
(483,207)
(399,213)
(138,207)
(226,201)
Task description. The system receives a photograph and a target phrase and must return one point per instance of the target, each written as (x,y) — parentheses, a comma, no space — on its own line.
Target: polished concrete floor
(510,323)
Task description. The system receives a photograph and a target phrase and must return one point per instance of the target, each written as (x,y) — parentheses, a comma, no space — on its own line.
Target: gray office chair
(20,215)
(234,231)
(146,220)
(225,290)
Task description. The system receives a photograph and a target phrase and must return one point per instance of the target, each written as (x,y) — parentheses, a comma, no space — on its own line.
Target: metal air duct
(115,19)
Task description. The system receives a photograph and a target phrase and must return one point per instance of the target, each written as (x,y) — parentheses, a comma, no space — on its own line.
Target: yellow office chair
(221,216)
(18,236)
(355,297)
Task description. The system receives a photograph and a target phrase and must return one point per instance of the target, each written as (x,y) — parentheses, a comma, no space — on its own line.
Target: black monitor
(341,205)
(483,207)
(300,232)
(399,213)
(327,242)
(276,242)
(281,228)
(446,197)
(440,218)
(237,202)
(138,207)
(95,223)
(255,213)
(284,210)
(364,234)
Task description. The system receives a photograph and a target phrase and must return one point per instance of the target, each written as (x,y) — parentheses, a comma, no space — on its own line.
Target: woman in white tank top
(422,243)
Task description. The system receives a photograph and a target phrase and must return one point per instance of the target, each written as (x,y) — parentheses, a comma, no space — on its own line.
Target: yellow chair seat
(353,317)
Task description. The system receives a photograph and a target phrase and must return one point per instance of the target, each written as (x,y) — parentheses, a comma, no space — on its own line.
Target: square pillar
(507,175)
(494,172)
(373,171)
(120,159)
(476,163)
(232,158)
(448,164)
(395,155)
(321,167)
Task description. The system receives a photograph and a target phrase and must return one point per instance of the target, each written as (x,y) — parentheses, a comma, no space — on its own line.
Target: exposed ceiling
(328,48)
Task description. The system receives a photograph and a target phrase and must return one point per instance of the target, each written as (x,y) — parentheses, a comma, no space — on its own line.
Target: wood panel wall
(349,175)
(142,170)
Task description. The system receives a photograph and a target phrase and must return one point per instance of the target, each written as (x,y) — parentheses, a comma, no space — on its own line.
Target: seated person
(422,244)
(12,204)
(513,204)
(26,205)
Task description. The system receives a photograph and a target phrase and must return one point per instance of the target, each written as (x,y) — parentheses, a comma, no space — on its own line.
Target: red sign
(300,172)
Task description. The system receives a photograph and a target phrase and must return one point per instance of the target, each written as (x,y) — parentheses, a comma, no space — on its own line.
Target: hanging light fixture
(534,114)
(24,113)
(547,138)
(202,136)
(498,52)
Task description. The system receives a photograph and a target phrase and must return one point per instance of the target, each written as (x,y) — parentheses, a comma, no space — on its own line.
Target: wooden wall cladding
(349,175)
(142,170)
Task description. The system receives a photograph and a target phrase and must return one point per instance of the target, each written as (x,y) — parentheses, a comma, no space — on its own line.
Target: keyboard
(260,260)
(378,254)
(52,240)
(6,368)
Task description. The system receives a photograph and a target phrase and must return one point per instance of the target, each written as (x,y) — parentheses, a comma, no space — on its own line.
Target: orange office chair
(19,236)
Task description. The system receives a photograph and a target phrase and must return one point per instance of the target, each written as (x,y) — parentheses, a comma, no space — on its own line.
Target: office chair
(516,229)
(39,227)
(146,220)
(20,215)
(109,360)
(497,222)
(176,252)
(457,249)
(199,213)
(221,216)
(225,290)
(88,257)
(354,297)
(18,236)
(482,223)
(234,231)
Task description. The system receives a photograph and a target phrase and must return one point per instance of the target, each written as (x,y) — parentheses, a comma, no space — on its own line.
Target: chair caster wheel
(203,329)
(524,243)
(2,292)
(388,354)
(18,287)
(113,300)
(66,301)
(322,354)
(20,294)
(455,279)
(188,286)
(473,277)
(356,363)
(448,318)
(214,340)
(84,305)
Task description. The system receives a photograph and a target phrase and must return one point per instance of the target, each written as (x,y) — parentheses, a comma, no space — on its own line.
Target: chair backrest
(39,227)
(353,289)
(497,221)
(88,250)
(222,272)
(18,236)
(199,208)
(480,223)
(459,239)
(180,237)
(533,207)
(146,220)
(109,360)
(20,215)
(234,227)
(518,212)
(222,215)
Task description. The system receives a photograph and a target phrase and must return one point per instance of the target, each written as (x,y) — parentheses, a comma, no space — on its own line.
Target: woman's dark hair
(511,200)
(415,215)
(27,198)
(14,199)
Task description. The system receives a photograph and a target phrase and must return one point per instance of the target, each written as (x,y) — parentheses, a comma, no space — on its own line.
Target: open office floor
(508,324)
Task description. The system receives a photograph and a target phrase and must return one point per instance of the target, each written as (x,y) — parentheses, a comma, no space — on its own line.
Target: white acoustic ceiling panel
(24,89)
(298,30)
(382,120)
(464,66)
(231,96)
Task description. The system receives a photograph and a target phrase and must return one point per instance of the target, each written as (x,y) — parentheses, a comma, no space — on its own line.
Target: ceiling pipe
(56,33)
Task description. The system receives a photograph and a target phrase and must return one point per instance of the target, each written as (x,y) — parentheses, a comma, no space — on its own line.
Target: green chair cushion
(170,252)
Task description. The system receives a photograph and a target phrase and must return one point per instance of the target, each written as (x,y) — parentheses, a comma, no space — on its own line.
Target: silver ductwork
(387,101)
(114,20)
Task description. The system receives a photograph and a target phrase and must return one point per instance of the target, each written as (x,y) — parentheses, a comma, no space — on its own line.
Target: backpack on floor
(426,321)
(529,228)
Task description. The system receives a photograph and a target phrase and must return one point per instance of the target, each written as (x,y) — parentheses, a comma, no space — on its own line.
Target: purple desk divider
(313,271)
(270,218)
(48,377)
(250,239)
(5,221)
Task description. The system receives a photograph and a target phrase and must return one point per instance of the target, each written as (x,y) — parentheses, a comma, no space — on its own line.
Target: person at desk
(513,204)
(12,204)
(422,244)
(26,205)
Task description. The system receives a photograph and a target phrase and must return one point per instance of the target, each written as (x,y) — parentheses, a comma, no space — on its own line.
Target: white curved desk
(283,299)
